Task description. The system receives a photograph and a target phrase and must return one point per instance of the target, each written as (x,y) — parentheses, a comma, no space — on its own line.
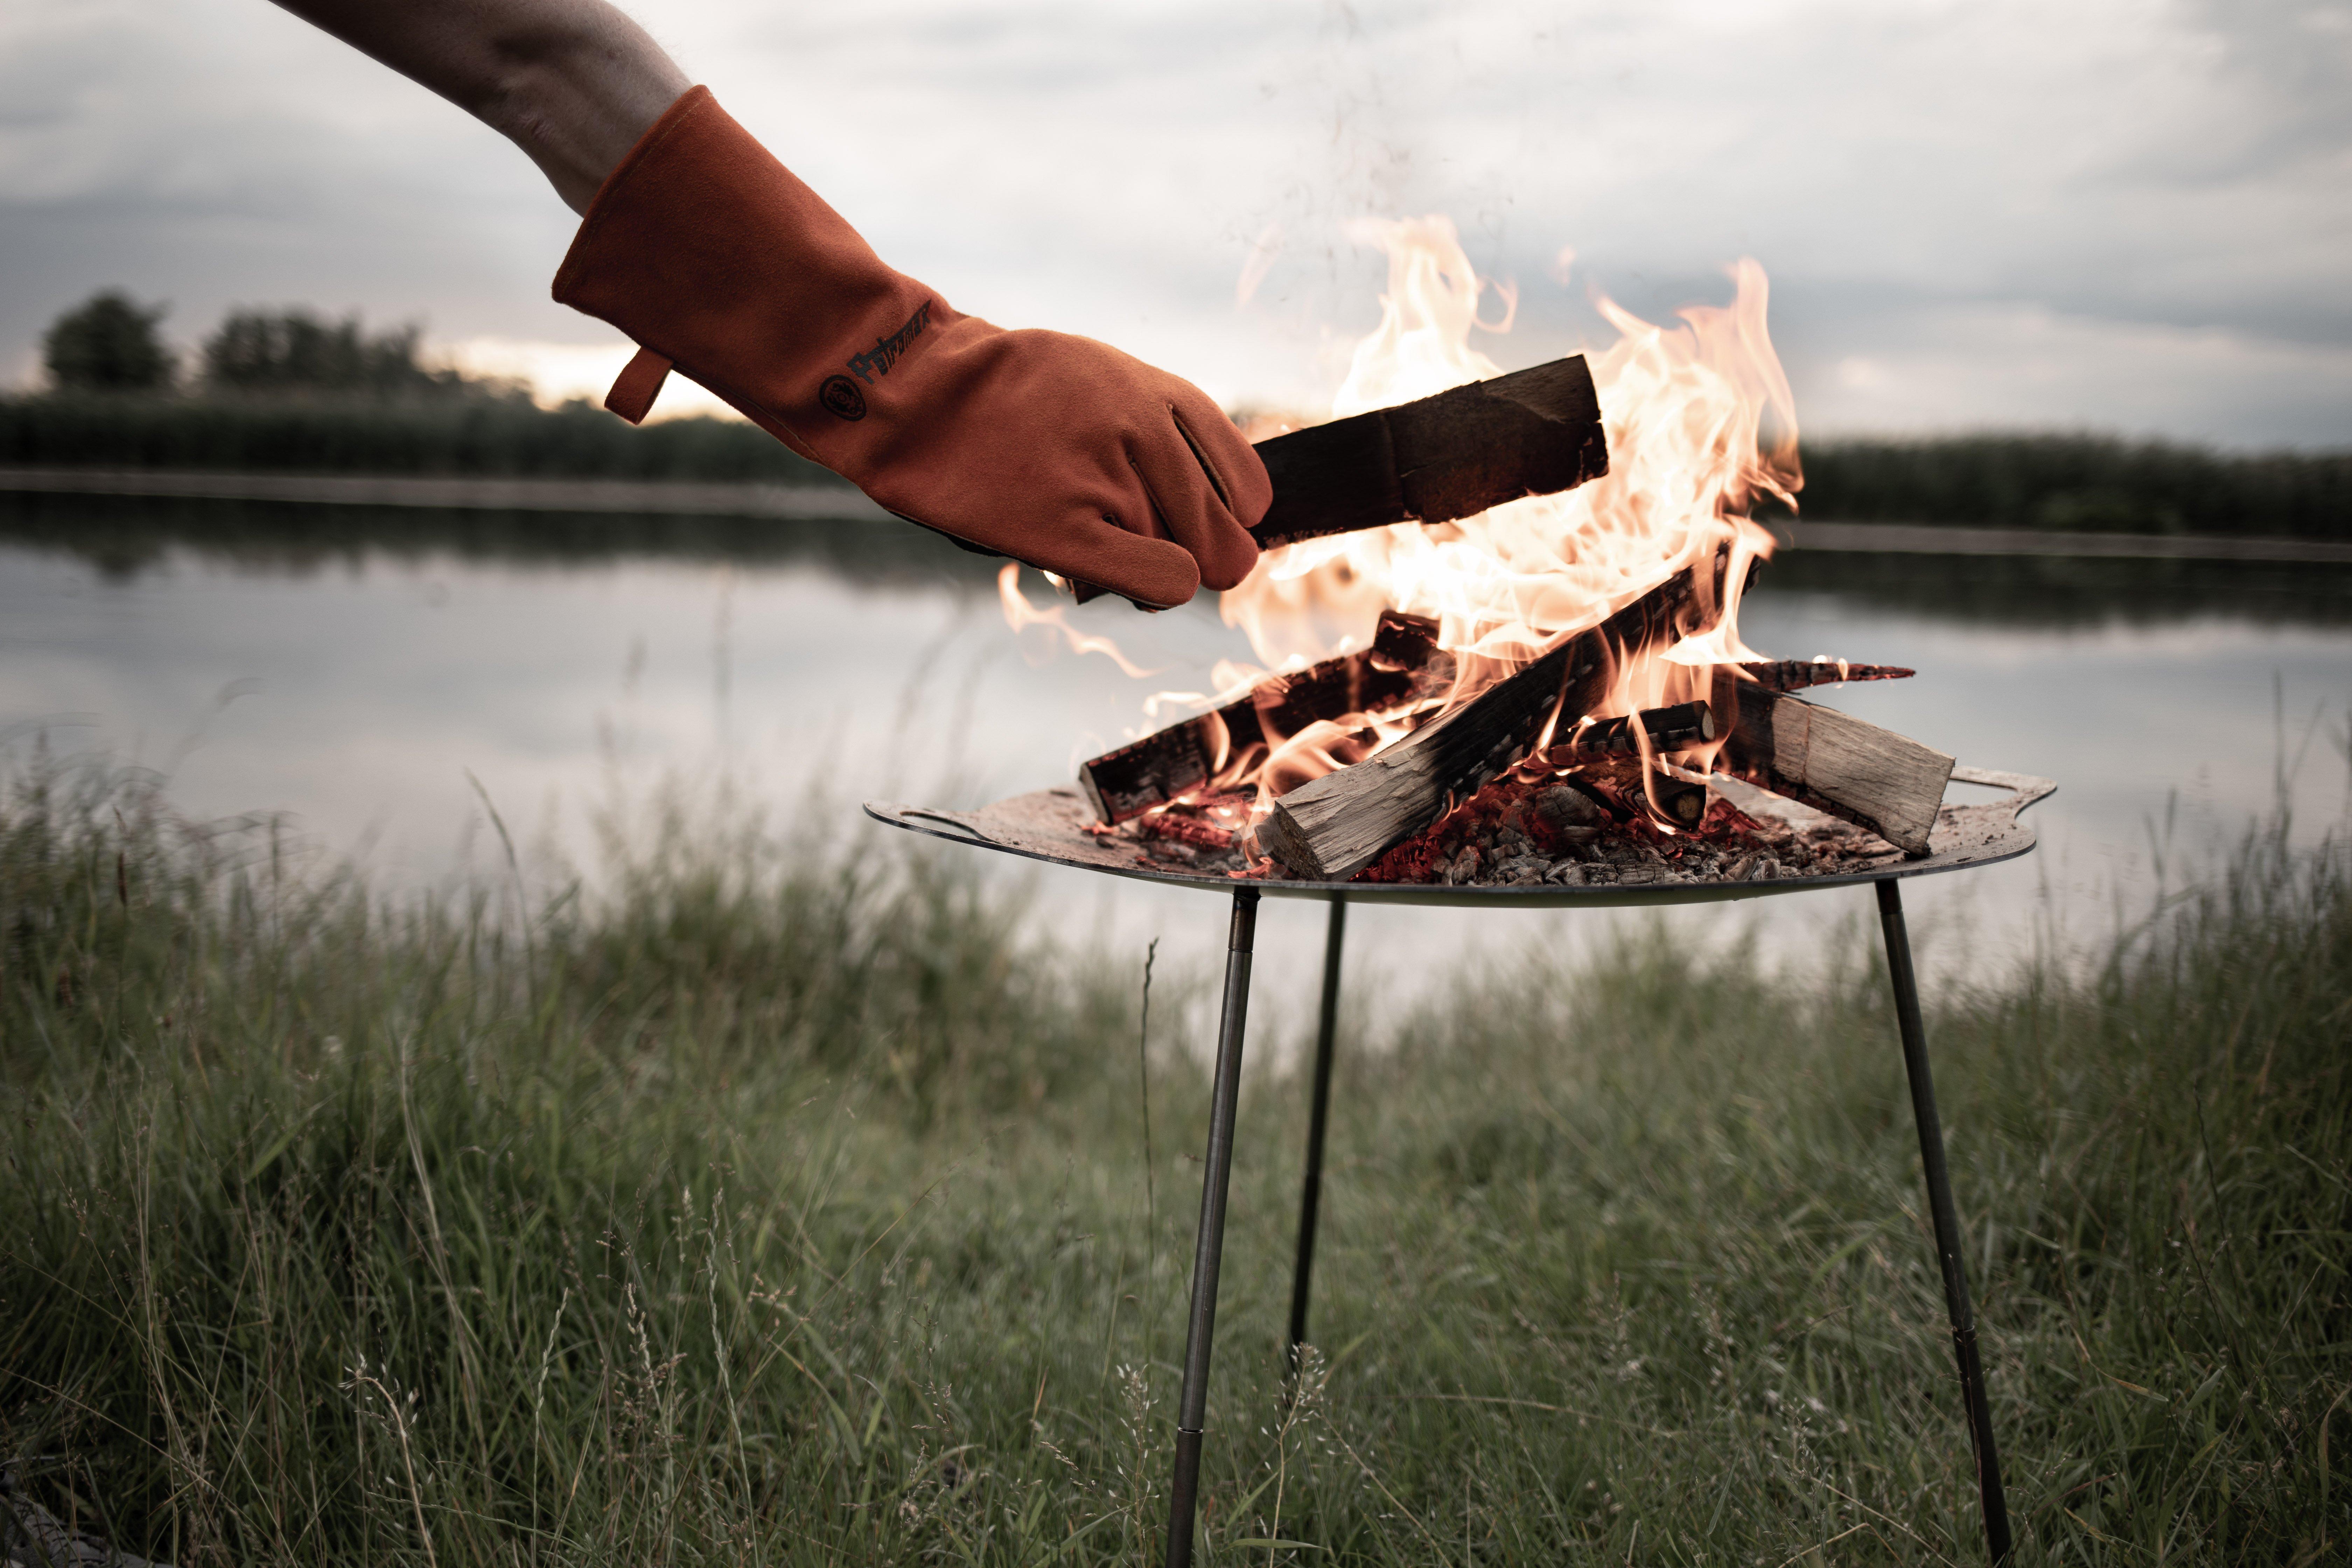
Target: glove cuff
(707,252)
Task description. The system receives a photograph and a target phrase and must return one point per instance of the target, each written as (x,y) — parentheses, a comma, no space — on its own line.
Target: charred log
(1336,826)
(1795,675)
(1669,728)
(1626,788)
(1531,433)
(1403,665)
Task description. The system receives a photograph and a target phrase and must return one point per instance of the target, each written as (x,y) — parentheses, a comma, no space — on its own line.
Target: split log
(1333,827)
(1403,665)
(1796,674)
(1531,433)
(1840,765)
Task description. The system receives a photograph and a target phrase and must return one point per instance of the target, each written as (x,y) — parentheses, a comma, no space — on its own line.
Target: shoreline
(687,498)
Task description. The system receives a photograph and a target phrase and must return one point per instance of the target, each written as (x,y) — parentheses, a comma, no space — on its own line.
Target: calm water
(358,672)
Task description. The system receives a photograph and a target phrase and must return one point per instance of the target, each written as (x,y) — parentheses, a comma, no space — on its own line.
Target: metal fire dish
(1052,827)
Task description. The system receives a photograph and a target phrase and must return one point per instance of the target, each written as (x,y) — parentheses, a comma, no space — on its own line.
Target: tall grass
(786,1205)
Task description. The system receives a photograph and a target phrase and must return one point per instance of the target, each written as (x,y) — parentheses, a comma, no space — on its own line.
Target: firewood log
(1334,826)
(1840,765)
(1795,674)
(1403,665)
(1669,728)
(1624,788)
(1533,432)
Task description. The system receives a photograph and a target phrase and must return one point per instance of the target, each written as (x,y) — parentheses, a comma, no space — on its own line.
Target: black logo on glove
(841,399)
(877,360)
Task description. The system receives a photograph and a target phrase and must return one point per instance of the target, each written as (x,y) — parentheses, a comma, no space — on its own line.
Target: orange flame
(1685,408)
(1020,615)
(1700,422)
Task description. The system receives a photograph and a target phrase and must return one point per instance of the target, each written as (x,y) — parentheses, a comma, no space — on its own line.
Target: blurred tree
(108,344)
(294,351)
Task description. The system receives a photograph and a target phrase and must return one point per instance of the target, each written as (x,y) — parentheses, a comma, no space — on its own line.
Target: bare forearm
(573,83)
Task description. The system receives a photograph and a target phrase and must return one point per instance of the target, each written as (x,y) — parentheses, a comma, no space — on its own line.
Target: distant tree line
(108,345)
(287,389)
(487,436)
(2079,482)
(112,345)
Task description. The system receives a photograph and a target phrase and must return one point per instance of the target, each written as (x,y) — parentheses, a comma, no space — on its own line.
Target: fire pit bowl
(1053,827)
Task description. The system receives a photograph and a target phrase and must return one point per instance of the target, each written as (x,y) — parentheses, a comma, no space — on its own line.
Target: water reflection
(353,669)
(2047,593)
(126,537)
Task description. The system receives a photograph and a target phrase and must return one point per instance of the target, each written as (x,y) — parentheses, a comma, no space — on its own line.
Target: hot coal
(1202,834)
(1592,828)
(1593,832)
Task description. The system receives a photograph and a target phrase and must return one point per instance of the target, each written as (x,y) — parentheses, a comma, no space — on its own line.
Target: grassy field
(790,1203)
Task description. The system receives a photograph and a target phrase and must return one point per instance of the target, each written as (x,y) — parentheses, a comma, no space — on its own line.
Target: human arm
(573,83)
(1053,449)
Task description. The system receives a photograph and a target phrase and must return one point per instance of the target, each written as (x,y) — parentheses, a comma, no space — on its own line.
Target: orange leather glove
(1056,450)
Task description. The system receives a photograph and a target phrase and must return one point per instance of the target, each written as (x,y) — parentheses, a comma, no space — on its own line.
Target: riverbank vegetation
(287,390)
(290,391)
(798,1200)
(2067,482)
(475,435)
(2084,483)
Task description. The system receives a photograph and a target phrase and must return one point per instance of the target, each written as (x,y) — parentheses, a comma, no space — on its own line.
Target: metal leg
(1310,1200)
(1946,1222)
(1207,1247)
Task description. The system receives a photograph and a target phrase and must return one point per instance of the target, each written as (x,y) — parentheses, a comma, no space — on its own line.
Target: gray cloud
(2112,214)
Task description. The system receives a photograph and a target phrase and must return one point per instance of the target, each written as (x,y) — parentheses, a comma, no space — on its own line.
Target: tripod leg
(1947,1221)
(1208,1248)
(1310,1200)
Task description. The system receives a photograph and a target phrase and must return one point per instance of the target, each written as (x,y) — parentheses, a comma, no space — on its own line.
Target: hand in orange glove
(1057,450)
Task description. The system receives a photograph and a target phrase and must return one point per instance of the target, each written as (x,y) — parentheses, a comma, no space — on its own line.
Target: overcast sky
(2106,213)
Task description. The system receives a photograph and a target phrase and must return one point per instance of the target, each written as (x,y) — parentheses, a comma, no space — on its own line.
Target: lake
(375,677)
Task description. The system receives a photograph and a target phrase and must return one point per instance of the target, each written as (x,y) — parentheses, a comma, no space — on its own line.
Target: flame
(1685,408)
(1700,423)
(1020,615)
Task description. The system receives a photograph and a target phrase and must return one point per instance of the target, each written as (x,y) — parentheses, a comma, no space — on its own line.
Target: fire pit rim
(1999,835)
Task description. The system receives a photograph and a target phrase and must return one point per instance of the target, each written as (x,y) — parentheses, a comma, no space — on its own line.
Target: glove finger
(1095,548)
(1185,495)
(1082,545)
(1232,462)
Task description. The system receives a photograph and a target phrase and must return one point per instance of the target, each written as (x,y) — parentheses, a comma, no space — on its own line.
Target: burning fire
(1700,423)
